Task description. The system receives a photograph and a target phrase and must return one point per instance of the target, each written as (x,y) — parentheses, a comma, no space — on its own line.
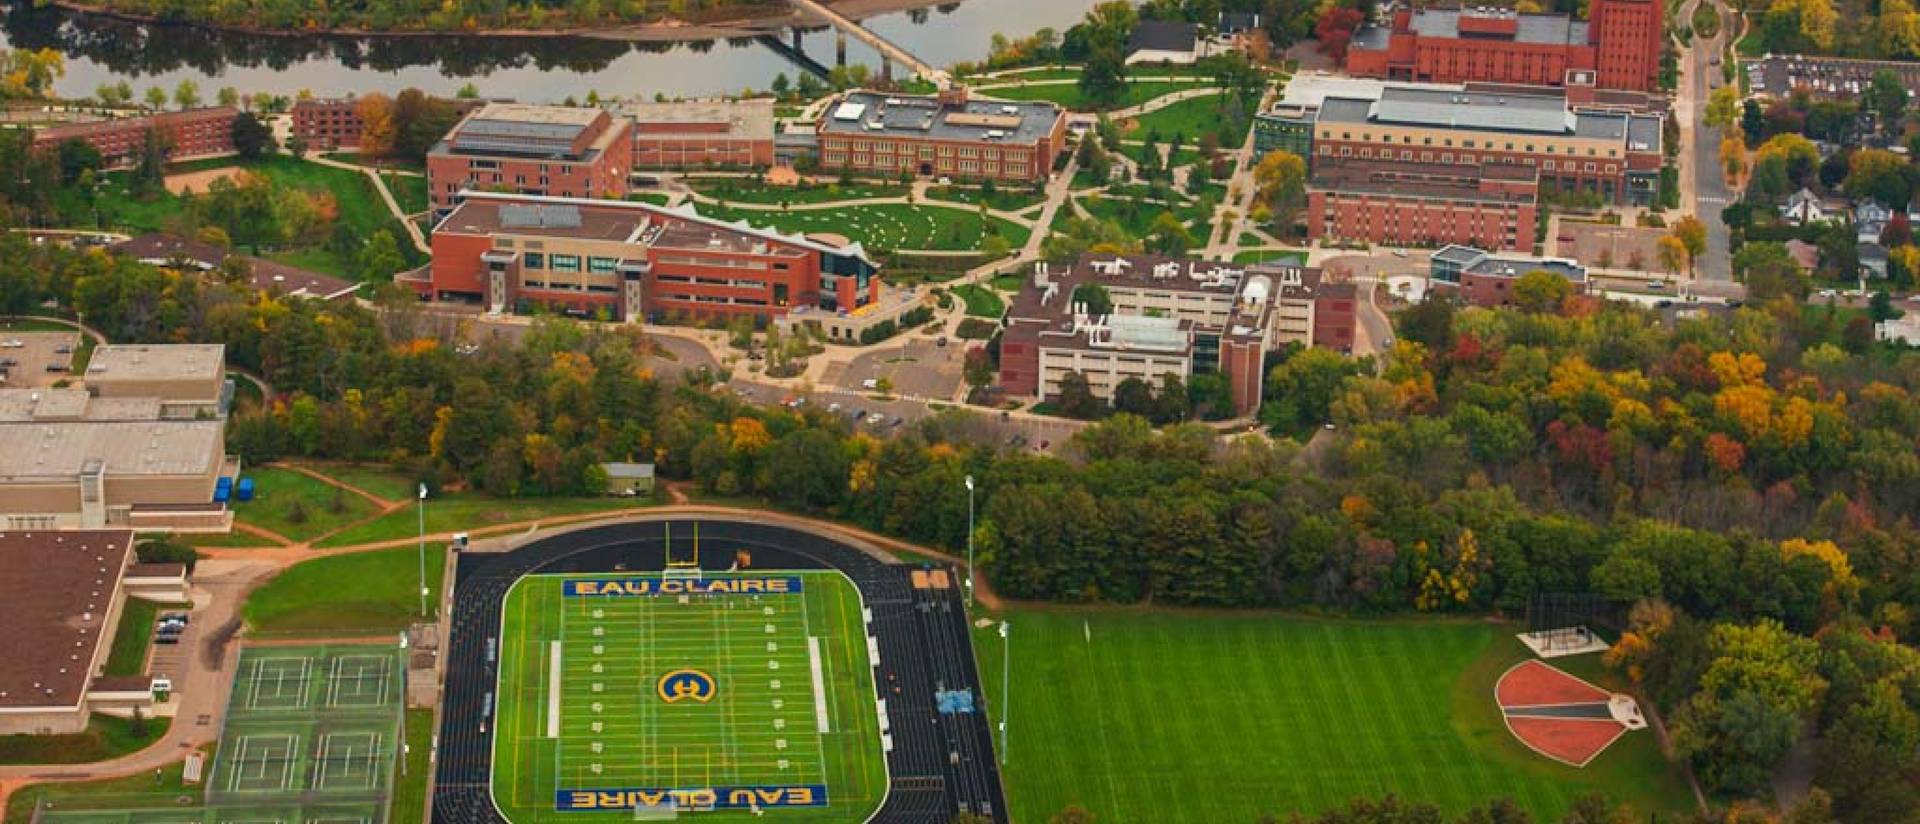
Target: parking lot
(1827,78)
(25,356)
(919,369)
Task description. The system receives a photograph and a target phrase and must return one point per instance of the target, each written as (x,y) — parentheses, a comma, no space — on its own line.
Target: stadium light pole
(1006,678)
(969,541)
(421,508)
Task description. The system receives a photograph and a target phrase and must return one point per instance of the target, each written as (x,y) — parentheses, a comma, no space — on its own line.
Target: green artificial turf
(297,505)
(467,511)
(1160,716)
(355,594)
(757,728)
(885,225)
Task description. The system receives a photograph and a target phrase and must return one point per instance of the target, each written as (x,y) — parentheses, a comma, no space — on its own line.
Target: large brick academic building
(949,135)
(1620,42)
(533,150)
(633,260)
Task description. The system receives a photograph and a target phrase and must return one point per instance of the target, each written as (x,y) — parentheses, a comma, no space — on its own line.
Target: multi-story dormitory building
(1169,316)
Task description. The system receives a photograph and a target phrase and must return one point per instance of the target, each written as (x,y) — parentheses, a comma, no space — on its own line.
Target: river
(535,69)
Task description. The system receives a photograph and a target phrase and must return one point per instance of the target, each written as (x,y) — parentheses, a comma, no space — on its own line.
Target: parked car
(15,343)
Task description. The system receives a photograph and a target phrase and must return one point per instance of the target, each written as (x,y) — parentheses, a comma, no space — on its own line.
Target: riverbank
(751,22)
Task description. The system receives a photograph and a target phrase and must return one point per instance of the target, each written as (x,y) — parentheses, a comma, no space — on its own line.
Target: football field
(713,697)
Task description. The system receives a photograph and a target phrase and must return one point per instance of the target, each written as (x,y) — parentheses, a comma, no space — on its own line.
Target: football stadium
(709,670)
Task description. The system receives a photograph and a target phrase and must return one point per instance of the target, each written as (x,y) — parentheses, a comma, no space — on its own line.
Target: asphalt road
(1710,186)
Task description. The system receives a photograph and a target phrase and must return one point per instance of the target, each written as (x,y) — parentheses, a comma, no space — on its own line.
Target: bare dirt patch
(198,182)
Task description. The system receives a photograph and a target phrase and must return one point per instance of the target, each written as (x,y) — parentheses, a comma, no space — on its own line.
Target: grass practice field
(1163,716)
(686,692)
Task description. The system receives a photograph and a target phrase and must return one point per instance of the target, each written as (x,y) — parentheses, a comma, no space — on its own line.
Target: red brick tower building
(1627,34)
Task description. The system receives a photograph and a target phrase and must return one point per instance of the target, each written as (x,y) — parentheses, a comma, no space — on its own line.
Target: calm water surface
(533,69)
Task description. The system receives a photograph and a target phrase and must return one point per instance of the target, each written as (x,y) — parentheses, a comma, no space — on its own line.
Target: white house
(1804,207)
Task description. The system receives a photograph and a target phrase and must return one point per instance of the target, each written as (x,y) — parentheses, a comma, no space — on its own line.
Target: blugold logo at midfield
(686,685)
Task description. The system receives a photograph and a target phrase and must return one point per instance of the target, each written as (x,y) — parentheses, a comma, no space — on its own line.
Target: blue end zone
(696,798)
(642,587)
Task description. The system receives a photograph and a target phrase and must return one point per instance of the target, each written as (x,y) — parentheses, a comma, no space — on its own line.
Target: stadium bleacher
(940,765)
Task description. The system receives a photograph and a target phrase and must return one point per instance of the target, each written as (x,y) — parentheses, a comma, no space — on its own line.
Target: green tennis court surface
(310,738)
(636,693)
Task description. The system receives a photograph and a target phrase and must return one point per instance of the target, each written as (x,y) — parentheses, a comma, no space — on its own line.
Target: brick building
(1612,153)
(701,133)
(189,134)
(634,260)
(329,124)
(1485,278)
(532,150)
(1620,43)
(949,135)
(1397,203)
(1169,316)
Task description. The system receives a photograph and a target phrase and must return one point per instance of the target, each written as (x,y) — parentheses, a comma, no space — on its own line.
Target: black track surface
(939,766)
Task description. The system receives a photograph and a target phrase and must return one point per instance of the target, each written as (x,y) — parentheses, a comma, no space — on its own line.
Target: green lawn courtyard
(981,301)
(1164,716)
(885,226)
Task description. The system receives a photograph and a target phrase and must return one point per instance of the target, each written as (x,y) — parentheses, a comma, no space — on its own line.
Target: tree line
(1744,481)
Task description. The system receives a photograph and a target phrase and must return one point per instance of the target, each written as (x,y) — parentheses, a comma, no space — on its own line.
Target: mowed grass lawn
(359,593)
(1070,96)
(468,511)
(106,737)
(1189,119)
(981,302)
(298,506)
(373,478)
(885,225)
(410,191)
(132,637)
(1202,717)
(141,789)
(745,190)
